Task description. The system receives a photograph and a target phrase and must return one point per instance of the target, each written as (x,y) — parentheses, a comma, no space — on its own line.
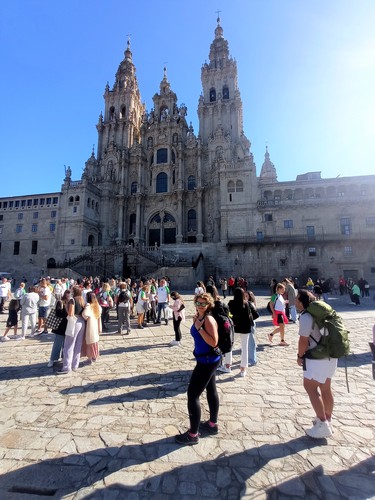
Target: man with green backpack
(323,339)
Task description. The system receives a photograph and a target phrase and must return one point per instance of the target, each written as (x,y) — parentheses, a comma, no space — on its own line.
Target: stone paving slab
(107,430)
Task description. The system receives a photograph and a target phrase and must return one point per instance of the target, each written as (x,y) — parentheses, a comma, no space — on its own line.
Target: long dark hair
(305,297)
(238,297)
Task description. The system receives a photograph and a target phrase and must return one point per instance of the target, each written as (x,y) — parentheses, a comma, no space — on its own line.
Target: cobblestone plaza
(107,431)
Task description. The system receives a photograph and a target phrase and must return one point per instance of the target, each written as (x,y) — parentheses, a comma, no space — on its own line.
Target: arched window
(88,202)
(111,112)
(77,199)
(93,204)
(150,142)
(156,219)
(225,92)
(191,183)
(212,95)
(239,186)
(162,183)
(173,157)
(133,187)
(192,221)
(91,241)
(162,156)
(168,218)
(71,199)
(230,186)
(123,112)
(132,224)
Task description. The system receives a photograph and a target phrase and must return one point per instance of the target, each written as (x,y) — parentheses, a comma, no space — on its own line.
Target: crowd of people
(78,312)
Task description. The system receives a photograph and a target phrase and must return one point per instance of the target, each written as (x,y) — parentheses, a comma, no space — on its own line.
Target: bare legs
(321,398)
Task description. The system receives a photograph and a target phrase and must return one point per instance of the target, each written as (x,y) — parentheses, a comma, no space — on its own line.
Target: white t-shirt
(4,289)
(279,304)
(42,293)
(306,329)
(163,292)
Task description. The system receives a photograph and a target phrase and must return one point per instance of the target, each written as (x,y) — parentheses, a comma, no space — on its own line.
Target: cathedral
(159,197)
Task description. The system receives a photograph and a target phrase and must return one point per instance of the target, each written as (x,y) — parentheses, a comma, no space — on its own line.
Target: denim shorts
(43,311)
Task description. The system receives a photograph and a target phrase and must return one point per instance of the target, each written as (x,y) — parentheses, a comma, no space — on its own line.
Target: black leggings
(203,377)
(176,327)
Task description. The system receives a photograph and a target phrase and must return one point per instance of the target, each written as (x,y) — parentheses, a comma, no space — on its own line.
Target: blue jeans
(58,344)
(162,306)
(252,347)
(293,313)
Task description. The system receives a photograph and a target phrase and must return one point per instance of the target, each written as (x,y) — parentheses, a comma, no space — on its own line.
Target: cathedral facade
(155,187)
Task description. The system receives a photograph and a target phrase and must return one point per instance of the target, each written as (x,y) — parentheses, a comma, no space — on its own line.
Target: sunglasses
(201,304)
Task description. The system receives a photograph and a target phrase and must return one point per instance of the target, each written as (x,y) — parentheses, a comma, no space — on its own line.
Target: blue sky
(306,73)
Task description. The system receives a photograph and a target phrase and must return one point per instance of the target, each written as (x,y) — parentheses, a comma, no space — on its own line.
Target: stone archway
(162,229)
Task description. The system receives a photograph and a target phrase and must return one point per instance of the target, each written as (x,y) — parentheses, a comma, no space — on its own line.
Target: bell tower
(122,120)
(220,105)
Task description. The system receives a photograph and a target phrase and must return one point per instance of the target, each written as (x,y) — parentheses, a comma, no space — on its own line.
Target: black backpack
(123,297)
(225,327)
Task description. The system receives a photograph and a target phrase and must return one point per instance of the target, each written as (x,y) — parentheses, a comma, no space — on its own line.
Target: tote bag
(72,320)
(53,321)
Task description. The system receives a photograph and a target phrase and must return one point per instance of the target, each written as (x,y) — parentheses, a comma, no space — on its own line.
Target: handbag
(53,322)
(169,313)
(72,320)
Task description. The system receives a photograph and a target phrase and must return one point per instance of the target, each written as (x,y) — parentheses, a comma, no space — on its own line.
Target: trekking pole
(372,346)
(346,376)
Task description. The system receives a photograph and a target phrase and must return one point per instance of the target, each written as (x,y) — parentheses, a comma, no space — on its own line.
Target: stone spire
(268,172)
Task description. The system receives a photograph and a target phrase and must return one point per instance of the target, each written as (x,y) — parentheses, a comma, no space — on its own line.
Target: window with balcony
(345,225)
(310,232)
(288,224)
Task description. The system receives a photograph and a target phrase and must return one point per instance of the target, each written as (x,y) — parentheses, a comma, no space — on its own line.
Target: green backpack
(334,342)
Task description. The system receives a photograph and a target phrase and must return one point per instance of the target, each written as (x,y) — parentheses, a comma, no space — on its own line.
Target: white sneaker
(243,373)
(224,369)
(174,342)
(5,338)
(315,419)
(319,430)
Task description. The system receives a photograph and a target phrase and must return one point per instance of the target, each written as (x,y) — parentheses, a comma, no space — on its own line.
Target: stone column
(138,218)
(199,216)
(120,224)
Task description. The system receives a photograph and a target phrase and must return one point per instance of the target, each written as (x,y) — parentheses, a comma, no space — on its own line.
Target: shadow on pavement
(222,477)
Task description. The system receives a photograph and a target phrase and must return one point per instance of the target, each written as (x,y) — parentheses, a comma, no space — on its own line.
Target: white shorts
(320,369)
